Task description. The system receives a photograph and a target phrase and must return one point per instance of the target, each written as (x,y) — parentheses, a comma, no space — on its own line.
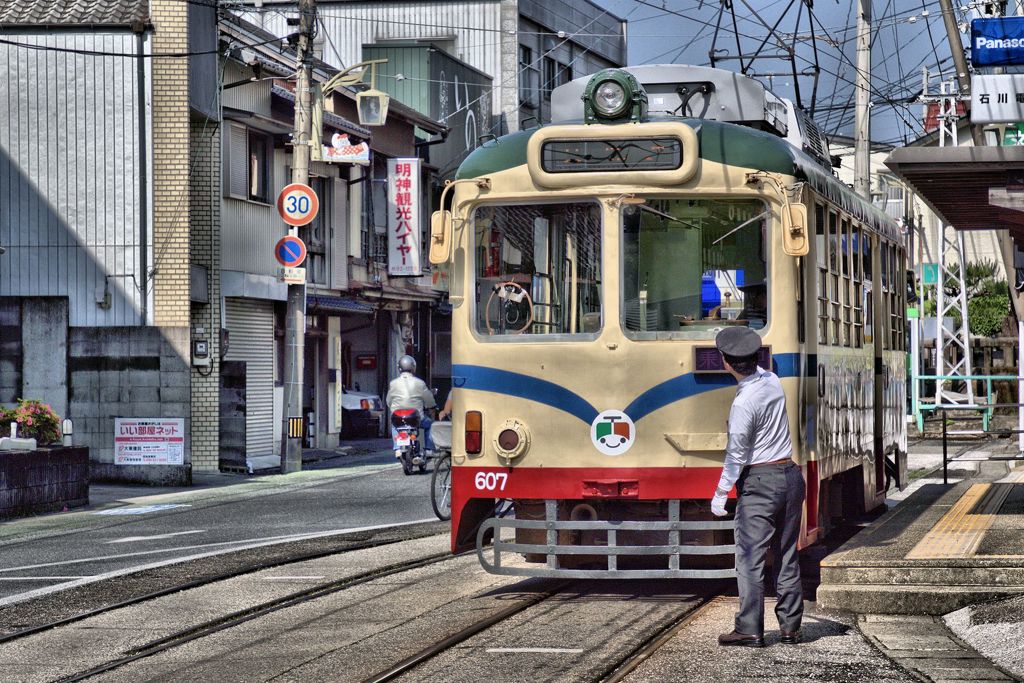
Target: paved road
(133,527)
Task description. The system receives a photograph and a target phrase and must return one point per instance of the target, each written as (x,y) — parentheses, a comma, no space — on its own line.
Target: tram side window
(692,266)
(845,282)
(885,317)
(896,308)
(538,269)
(858,287)
(834,255)
(821,248)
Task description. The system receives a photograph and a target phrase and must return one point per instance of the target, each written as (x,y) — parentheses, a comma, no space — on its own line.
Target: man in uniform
(770,491)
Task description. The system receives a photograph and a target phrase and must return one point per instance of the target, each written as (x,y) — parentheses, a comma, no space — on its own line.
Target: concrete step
(976,572)
(886,598)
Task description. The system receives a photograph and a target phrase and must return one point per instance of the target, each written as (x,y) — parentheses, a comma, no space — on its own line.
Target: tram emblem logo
(612,432)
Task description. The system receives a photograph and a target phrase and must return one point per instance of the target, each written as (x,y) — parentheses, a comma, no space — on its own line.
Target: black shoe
(742,639)
(790,637)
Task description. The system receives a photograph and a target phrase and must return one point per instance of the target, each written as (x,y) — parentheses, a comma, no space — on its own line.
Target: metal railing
(987,408)
(975,432)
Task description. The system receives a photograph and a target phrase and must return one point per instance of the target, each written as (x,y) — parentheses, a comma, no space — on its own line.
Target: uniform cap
(738,341)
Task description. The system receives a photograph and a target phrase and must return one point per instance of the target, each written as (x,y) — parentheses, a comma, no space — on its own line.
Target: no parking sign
(297,204)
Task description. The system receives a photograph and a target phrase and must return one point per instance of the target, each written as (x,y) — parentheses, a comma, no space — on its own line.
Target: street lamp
(371,104)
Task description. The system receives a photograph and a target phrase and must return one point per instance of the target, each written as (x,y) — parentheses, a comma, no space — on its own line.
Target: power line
(132,55)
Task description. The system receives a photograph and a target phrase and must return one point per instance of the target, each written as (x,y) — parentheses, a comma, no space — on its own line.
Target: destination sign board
(592,155)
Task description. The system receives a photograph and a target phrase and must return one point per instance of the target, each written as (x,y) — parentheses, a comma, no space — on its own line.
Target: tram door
(876,317)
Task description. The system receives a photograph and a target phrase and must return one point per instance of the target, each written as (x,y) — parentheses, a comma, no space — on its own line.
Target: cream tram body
(587,388)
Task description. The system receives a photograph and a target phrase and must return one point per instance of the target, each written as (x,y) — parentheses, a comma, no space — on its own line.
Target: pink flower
(21,419)
(28,421)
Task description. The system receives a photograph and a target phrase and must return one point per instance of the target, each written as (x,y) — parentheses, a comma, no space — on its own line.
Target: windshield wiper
(742,225)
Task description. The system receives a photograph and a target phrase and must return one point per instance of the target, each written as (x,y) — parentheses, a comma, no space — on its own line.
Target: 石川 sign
(997,98)
(997,41)
(149,441)
(404,248)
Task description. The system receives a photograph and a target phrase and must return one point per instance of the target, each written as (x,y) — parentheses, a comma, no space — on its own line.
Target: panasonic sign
(997,42)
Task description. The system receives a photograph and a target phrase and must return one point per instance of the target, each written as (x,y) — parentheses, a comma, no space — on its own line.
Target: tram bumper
(579,545)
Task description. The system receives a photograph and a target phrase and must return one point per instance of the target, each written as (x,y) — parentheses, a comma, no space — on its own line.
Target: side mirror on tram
(794,229)
(440,237)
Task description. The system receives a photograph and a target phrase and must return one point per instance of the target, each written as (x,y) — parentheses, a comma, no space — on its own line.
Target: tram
(593,261)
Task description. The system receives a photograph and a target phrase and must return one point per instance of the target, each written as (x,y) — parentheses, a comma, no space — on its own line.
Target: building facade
(95,223)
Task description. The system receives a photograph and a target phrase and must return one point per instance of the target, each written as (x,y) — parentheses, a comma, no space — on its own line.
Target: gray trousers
(768,515)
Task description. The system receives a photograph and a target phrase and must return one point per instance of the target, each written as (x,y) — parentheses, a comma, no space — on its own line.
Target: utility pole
(963,74)
(295,318)
(862,124)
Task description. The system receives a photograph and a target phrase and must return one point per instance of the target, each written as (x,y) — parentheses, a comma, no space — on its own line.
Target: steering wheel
(515,307)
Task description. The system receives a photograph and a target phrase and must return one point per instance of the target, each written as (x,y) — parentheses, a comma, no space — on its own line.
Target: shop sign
(342,151)
(149,441)
(997,98)
(997,41)
(1013,136)
(404,243)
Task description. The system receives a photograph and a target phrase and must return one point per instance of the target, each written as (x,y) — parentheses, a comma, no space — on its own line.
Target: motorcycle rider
(409,391)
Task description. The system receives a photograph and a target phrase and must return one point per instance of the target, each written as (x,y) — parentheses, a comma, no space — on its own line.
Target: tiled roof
(134,13)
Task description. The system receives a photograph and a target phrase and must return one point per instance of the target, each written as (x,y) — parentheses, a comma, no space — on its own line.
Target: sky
(906,36)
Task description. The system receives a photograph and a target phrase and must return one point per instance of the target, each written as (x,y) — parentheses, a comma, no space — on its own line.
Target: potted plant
(54,477)
(35,420)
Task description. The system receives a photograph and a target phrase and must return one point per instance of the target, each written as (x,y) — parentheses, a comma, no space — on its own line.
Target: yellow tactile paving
(959,532)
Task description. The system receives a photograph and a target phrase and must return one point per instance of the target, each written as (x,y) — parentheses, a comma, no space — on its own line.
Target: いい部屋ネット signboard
(149,441)
(297,204)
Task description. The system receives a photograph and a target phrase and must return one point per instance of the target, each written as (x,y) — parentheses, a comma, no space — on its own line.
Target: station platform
(941,549)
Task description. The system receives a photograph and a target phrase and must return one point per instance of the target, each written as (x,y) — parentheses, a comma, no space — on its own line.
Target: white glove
(718,504)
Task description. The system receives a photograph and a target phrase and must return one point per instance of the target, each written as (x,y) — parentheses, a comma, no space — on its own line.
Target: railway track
(281,556)
(236,618)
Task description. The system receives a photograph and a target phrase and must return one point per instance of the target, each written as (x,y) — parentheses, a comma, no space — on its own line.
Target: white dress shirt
(409,391)
(758,427)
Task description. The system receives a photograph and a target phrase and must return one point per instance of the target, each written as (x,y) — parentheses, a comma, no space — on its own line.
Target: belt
(783,461)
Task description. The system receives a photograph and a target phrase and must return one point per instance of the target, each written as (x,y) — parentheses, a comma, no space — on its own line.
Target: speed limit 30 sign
(297,204)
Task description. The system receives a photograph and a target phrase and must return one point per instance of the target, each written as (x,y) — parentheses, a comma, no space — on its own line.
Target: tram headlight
(609,99)
(512,441)
(614,95)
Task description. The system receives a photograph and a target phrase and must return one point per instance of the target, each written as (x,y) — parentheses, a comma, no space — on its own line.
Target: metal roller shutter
(250,326)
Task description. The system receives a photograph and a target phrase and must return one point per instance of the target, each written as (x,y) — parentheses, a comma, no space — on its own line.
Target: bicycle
(441,477)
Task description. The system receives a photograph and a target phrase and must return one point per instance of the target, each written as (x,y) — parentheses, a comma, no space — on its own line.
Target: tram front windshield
(693,266)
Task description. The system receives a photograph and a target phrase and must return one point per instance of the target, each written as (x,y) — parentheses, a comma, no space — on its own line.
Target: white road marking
(132,539)
(252,543)
(553,650)
(143,510)
(292,578)
(40,578)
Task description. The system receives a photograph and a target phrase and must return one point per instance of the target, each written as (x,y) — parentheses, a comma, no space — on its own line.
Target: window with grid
(834,279)
(538,269)
(886,317)
(896,306)
(845,281)
(529,78)
(856,253)
(821,248)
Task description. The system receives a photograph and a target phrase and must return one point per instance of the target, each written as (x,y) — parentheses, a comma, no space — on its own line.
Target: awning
(969,188)
(336,304)
(396,290)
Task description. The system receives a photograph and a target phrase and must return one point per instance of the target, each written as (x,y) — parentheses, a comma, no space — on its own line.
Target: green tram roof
(724,143)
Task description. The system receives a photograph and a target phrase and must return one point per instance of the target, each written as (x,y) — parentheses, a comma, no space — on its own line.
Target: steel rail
(196,583)
(644,650)
(248,614)
(463,635)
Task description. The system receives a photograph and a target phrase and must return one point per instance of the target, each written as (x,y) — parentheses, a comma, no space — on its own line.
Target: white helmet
(407,364)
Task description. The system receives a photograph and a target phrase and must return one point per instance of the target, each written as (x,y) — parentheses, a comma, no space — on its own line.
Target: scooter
(408,439)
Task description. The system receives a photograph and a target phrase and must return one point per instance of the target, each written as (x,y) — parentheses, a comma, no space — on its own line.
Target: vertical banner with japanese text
(404,249)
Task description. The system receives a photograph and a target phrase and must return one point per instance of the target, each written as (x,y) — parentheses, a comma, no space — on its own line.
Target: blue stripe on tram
(530,388)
